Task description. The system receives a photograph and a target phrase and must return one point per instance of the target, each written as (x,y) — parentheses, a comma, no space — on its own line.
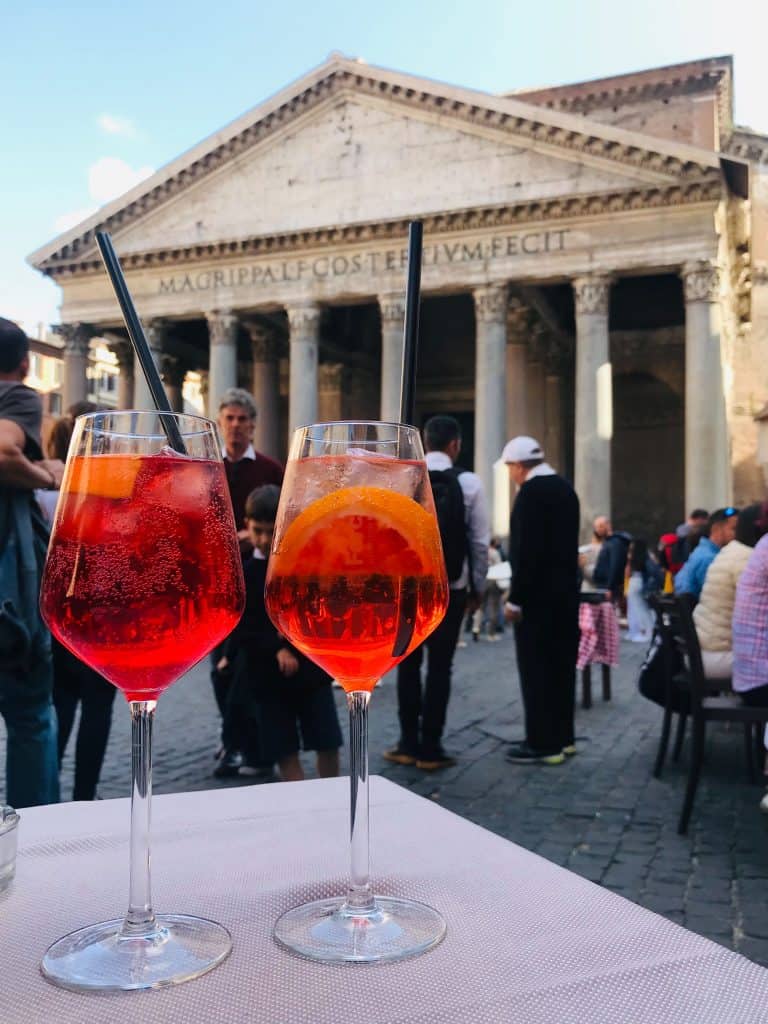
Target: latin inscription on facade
(528,243)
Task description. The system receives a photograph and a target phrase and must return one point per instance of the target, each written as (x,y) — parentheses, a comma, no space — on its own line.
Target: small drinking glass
(143,579)
(356,580)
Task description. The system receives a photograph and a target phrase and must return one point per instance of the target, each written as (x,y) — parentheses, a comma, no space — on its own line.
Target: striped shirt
(750,622)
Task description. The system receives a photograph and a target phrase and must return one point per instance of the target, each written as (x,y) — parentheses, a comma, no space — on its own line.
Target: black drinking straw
(411,328)
(139,341)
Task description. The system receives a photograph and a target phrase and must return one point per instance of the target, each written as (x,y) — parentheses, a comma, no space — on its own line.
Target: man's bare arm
(16,470)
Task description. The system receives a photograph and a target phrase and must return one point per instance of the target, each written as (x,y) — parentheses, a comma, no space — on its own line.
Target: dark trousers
(422,715)
(219,680)
(31,769)
(547,639)
(73,683)
(240,726)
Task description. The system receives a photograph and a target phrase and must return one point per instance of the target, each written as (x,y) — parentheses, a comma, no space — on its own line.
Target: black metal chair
(708,708)
(676,696)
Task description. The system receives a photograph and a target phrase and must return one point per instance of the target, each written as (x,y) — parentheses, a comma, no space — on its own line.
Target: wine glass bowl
(356,581)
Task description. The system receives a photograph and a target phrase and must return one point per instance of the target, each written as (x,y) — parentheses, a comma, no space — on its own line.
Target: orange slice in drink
(103,476)
(359,530)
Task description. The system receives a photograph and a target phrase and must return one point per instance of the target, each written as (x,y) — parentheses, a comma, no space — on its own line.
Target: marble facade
(571,235)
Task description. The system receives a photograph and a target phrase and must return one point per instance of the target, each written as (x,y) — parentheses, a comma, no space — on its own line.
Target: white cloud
(68,220)
(113,125)
(108,178)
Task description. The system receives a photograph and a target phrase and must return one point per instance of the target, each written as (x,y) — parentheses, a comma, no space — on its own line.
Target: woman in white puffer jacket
(713,614)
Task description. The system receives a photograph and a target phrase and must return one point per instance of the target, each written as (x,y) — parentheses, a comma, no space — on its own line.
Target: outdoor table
(598,642)
(527,940)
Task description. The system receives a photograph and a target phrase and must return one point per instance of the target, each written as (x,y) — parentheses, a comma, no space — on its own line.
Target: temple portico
(581,283)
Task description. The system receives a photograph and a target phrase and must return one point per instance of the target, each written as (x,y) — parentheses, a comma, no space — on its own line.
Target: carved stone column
(222,356)
(174,372)
(553,421)
(124,352)
(707,449)
(330,390)
(75,378)
(392,309)
(534,376)
(304,321)
(155,331)
(266,388)
(518,330)
(490,380)
(592,450)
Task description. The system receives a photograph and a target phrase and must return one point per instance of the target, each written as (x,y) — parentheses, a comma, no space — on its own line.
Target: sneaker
(434,761)
(462,643)
(229,764)
(399,755)
(764,803)
(493,638)
(522,753)
(476,637)
(261,772)
(570,750)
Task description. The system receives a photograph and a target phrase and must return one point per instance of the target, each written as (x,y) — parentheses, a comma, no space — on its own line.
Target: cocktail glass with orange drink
(356,580)
(143,578)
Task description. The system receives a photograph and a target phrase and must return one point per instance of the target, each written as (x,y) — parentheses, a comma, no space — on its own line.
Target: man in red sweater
(246,470)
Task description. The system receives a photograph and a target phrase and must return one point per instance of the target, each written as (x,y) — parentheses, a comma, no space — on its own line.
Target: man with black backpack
(26,672)
(462,515)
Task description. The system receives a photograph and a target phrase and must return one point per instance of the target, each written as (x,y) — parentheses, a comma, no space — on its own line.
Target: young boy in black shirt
(290,697)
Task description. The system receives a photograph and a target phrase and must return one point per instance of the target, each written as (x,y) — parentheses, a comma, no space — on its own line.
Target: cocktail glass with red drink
(356,580)
(143,579)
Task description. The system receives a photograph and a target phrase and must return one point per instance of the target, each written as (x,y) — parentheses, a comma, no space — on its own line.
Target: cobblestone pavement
(601,814)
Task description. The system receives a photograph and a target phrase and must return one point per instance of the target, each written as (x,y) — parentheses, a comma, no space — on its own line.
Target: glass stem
(359,896)
(140,919)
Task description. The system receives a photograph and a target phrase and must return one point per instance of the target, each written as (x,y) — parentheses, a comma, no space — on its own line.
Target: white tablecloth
(527,941)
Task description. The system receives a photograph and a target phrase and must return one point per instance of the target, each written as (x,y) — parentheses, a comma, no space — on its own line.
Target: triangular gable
(605,149)
(359,161)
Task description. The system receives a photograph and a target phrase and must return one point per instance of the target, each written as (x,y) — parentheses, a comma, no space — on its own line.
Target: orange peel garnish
(360,530)
(104,476)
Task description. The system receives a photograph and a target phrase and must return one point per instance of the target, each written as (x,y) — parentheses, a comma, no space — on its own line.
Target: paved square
(601,814)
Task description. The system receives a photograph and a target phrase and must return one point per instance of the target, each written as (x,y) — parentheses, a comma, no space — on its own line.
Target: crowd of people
(273,702)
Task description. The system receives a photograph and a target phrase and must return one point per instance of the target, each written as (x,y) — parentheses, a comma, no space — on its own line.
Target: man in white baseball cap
(544,602)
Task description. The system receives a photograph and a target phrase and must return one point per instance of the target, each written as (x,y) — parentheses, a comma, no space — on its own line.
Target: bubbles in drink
(142,581)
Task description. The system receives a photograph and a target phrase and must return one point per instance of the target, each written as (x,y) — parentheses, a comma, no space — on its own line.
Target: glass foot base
(330,931)
(99,959)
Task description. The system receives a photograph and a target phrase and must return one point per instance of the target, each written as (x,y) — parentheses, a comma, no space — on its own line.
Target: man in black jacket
(544,602)
(612,563)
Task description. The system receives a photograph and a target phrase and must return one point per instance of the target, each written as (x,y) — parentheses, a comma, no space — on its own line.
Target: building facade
(595,273)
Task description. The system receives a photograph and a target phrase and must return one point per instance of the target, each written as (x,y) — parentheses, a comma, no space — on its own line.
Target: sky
(95,96)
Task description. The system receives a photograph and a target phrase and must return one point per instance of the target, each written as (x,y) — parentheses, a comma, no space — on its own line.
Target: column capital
(491,303)
(592,293)
(330,376)
(264,343)
(157,330)
(76,337)
(173,370)
(701,281)
(222,325)
(518,322)
(392,309)
(123,351)
(303,318)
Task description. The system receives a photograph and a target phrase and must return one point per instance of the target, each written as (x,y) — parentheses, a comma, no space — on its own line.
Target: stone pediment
(350,144)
